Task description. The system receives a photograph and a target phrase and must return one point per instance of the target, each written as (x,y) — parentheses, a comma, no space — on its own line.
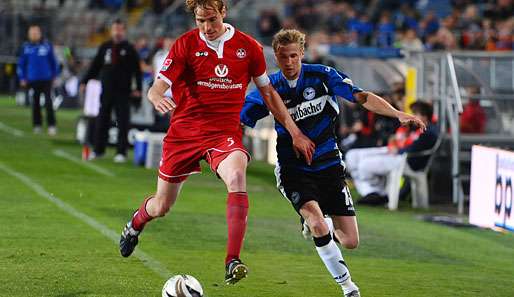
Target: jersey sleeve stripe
(164,78)
(262,80)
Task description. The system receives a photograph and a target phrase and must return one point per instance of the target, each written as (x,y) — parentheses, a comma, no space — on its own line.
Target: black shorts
(327,187)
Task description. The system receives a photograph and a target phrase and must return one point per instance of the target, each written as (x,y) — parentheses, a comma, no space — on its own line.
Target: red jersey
(209,84)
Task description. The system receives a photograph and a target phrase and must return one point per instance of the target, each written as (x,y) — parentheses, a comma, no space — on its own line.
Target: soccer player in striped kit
(317,188)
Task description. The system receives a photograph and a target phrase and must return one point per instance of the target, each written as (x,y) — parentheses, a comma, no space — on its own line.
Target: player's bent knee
(352,244)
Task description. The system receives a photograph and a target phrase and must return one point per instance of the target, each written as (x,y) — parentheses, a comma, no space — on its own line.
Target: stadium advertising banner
(492,172)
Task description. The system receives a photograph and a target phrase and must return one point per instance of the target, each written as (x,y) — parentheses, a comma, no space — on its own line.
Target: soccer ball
(182,286)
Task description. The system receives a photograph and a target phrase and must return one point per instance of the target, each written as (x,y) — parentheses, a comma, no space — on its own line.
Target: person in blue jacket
(37,69)
(317,189)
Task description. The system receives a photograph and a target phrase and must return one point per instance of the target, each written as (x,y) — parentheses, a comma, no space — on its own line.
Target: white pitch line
(147,260)
(11,130)
(96,168)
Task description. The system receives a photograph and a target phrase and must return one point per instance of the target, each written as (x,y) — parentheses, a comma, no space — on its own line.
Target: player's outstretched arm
(161,103)
(377,104)
(301,143)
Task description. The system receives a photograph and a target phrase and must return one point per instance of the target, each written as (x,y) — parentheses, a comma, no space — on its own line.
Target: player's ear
(224,12)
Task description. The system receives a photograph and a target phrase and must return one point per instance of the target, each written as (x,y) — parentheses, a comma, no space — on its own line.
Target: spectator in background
(370,166)
(365,30)
(315,57)
(473,118)
(446,38)
(37,69)
(470,16)
(362,129)
(160,56)
(407,17)
(384,127)
(505,38)
(116,64)
(432,43)
(267,25)
(358,128)
(410,41)
(336,20)
(143,50)
(307,17)
(429,25)
(386,29)
(470,25)
(499,10)
(473,38)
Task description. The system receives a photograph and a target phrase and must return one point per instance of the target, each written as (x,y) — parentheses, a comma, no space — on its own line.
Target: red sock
(141,217)
(237,215)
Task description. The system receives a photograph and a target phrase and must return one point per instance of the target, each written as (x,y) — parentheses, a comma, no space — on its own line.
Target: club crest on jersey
(166,64)
(221,70)
(241,53)
(309,93)
(201,54)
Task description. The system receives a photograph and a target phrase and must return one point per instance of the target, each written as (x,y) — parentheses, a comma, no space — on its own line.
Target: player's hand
(164,104)
(406,119)
(82,88)
(304,146)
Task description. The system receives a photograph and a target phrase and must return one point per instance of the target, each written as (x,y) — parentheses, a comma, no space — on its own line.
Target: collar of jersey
(229,33)
(290,82)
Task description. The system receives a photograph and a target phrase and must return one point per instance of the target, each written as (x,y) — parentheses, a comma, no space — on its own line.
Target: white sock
(331,255)
(330,224)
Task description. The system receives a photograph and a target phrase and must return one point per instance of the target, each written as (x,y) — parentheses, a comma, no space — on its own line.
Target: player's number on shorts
(230,141)
(348,196)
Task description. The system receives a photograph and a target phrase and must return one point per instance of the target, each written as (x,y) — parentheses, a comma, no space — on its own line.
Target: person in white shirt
(160,56)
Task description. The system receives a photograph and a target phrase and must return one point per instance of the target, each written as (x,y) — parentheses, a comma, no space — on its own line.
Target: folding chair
(418,179)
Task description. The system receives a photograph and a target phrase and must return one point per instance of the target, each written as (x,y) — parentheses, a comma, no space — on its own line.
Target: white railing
(438,81)
(454,109)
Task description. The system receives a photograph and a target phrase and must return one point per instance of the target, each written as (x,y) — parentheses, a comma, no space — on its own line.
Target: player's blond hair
(287,36)
(218,5)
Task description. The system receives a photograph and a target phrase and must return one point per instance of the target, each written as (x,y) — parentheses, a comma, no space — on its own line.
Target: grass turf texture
(44,251)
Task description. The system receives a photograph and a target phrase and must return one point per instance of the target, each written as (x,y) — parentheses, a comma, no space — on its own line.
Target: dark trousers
(45,87)
(120,102)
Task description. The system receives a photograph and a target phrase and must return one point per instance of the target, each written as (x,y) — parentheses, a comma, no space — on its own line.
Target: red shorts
(181,158)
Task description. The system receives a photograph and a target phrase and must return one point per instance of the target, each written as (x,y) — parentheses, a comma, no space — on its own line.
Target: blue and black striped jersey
(312,103)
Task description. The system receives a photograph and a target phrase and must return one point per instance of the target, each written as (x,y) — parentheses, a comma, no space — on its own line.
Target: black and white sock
(331,255)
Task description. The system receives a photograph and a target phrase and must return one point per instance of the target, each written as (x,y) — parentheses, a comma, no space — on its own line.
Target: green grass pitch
(47,251)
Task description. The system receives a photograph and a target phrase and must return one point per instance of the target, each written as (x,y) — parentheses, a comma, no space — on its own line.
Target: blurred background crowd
(374,41)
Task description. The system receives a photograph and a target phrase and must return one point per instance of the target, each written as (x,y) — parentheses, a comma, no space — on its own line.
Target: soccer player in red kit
(209,69)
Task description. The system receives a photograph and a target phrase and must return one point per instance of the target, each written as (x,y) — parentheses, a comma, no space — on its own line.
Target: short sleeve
(174,64)
(341,85)
(258,63)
